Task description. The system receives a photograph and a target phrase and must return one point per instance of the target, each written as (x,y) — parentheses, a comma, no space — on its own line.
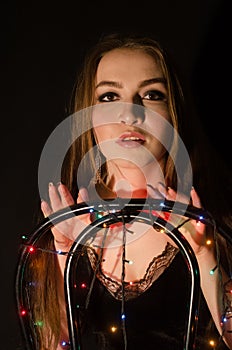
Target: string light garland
(33,249)
(211,272)
(65,344)
(113,329)
(123,316)
(84,285)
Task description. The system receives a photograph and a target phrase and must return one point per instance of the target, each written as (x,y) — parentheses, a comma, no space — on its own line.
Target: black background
(42,47)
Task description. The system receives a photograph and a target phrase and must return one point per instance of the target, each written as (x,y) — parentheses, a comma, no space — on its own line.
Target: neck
(132,181)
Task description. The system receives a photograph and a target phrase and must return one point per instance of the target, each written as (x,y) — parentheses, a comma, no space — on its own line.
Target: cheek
(157,149)
(103,133)
(161,130)
(160,109)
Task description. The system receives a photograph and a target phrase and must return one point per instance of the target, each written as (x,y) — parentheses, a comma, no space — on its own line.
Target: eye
(155,95)
(108,97)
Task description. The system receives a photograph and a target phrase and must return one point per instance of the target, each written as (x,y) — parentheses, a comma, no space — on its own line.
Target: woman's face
(132,78)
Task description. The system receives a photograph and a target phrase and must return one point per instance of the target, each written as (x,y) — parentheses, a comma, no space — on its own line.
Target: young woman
(132,138)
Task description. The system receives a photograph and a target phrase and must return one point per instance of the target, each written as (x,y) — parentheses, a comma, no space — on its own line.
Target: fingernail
(50,184)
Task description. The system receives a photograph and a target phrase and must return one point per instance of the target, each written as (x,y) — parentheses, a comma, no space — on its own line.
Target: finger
(177,196)
(65,195)
(55,200)
(171,194)
(199,226)
(195,199)
(46,209)
(153,192)
(162,189)
(83,195)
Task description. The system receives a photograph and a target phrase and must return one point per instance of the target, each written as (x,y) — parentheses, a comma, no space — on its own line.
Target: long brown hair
(83,97)
(44,304)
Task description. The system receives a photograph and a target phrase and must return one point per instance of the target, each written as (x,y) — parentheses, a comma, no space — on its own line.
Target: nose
(131,114)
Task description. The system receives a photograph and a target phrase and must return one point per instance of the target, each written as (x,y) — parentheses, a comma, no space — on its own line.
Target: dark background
(42,47)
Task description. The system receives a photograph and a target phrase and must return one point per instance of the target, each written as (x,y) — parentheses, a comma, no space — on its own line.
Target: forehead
(124,61)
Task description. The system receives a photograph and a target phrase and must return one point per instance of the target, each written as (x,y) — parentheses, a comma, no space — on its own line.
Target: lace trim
(132,290)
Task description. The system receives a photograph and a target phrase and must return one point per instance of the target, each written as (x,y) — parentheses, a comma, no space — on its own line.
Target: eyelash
(159,96)
(113,96)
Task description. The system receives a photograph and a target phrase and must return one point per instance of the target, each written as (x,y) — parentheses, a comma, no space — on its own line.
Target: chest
(130,258)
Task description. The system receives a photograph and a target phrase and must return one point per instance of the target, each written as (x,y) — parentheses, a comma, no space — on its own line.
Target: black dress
(152,315)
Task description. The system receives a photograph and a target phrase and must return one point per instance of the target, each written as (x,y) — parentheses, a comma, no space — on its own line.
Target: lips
(131,140)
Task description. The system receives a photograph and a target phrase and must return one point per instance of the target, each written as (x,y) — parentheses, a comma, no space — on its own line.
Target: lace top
(133,290)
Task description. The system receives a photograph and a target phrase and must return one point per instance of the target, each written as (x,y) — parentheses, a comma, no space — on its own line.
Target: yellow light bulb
(212,342)
(113,329)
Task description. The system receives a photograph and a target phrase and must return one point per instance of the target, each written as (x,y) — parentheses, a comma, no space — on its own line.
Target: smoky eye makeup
(154,95)
(108,97)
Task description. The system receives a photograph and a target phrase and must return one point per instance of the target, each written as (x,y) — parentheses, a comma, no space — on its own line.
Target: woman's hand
(194,231)
(66,231)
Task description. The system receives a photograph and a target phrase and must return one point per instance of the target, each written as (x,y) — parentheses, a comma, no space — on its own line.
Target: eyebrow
(153,81)
(109,83)
(142,84)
